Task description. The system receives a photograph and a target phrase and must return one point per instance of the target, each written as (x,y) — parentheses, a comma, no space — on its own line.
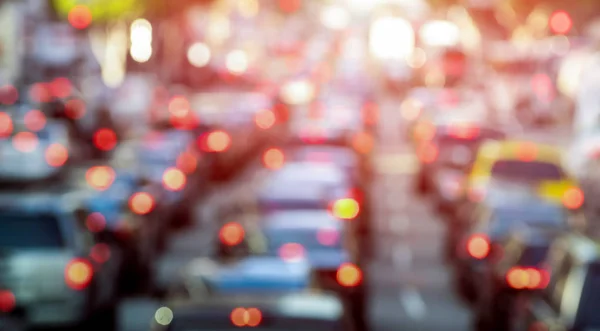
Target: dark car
(302,311)
(515,272)
(491,226)
(455,146)
(570,301)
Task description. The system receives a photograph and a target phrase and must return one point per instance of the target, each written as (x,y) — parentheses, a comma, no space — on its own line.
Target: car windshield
(534,171)
(507,219)
(587,315)
(533,255)
(18,231)
(310,239)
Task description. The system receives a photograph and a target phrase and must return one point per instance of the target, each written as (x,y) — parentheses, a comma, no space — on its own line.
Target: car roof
(300,305)
(509,149)
(300,219)
(44,201)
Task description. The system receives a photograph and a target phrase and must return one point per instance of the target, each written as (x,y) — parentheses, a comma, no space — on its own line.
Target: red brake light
(105,139)
(187,162)
(40,92)
(232,234)
(7,301)
(478,246)
(428,153)
(291,252)
(174,179)
(100,253)
(424,131)
(346,208)
(80,17)
(95,222)
(370,113)
(527,278)
(35,120)
(78,274)
(100,177)
(141,203)
(246,317)
(25,142)
(265,119)
(349,275)
(363,143)
(273,159)
(60,87)
(573,198)
(6,125)
(218,141)
(56,155)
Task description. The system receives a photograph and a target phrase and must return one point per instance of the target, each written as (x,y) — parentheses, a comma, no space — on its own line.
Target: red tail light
(100,253)
(273,159)
(424,131)
(216,141)
(35,120)
(246,317)
(346,208)
(6,125)
(60,87)
(179,107)
(527,278)
(363,143)
(8,301)
(232,234)
(478,246)
(174,179)
(56,155)
(105,139)
(187,162)
(464,131)
(291,252)
(75,109)
(79,274)
(349,275)
(141,203)
(8,95)
(370,113)
(25,142)
(573,198)
(95,222)
(100,177)
(428,153)
(265,119)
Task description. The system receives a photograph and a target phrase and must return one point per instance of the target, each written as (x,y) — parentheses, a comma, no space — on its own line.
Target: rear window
(587,315)
(19,231)
(309,239)
(533,171)
(504,221)
(533,256)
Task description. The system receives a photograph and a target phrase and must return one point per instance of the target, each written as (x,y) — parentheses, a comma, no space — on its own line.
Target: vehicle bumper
(56,312)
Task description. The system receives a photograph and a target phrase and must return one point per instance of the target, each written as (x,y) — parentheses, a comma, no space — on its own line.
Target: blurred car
(234,135)
(56,271)
(334,123)
(168,157)
(419,104)
(293,312)
(32,147)
(570,299)
(515,272)
(537,165)
(490,226)
(446,159)
(583,150)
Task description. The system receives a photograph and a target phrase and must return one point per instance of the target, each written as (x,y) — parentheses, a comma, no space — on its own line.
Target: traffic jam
(293,165)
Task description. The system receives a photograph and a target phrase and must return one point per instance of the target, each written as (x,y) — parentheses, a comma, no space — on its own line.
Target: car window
(534,171)
(18,231)
(310,239)
(587,314)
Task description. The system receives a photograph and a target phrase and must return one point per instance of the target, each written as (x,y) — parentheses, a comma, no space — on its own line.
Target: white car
(34,147)
(56,270)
